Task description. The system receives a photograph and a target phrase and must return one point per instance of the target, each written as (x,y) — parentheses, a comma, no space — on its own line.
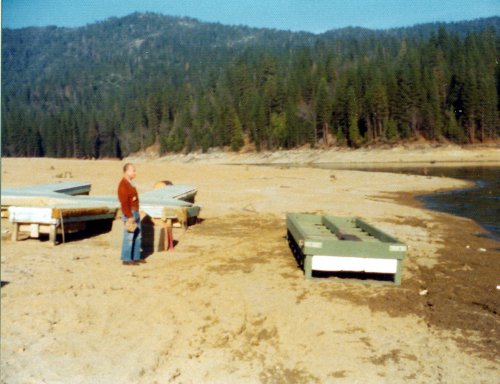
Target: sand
(230,305)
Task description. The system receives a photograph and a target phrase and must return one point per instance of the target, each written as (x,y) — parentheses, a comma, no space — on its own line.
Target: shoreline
(224,305)
(400,155)
(466,242)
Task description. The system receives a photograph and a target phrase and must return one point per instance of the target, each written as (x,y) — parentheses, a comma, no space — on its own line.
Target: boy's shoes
(130,263)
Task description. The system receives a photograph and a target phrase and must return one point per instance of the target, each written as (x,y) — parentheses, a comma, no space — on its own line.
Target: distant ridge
(461,27)
(123,84)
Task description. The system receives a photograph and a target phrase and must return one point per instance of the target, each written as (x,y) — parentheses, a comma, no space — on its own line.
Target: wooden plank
(35,200)
(78,219)
(58,213)
(382,236)
(41,215)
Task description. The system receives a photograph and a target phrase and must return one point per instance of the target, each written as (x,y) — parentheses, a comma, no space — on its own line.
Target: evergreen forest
(119,86)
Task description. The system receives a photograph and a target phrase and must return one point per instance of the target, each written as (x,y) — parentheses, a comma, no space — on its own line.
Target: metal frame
(311,235)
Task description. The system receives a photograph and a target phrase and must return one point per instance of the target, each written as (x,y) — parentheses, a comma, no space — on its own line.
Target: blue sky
(307,15)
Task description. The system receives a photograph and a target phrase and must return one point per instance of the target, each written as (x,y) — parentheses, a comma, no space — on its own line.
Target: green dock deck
(344,245)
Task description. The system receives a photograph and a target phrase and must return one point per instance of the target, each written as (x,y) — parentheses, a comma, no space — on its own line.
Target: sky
(315,16)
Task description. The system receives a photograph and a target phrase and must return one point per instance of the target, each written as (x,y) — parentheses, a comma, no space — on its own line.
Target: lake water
(480,203)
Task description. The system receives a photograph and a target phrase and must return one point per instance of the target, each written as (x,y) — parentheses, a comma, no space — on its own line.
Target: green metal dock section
(344,245)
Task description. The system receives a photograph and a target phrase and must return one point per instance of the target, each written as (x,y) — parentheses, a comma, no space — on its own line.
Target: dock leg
(397,276)
(52,234)
(15,233)
(308,267)
(169,237)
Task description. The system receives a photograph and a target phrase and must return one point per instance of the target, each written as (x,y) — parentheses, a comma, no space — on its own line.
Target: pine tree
(353,137)
(237,133)
(323,111)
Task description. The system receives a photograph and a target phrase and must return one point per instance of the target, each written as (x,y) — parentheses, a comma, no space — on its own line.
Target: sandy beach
(230,305)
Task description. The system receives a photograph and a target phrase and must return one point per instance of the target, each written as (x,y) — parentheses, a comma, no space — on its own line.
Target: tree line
(120,86)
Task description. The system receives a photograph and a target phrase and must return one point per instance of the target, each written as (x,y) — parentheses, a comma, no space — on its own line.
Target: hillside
(121,85)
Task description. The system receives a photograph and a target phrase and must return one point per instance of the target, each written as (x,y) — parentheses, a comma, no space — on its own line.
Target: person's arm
(123,196)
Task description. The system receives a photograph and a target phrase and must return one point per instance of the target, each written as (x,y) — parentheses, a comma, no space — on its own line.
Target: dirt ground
(230,305)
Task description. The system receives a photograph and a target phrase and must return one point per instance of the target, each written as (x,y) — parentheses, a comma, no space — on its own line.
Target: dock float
(344,247)
(67,207)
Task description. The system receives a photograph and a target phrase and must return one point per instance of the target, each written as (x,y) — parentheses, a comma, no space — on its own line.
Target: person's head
(129,171)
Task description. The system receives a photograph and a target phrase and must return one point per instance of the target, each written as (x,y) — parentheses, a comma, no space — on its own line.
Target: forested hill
(121,85)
